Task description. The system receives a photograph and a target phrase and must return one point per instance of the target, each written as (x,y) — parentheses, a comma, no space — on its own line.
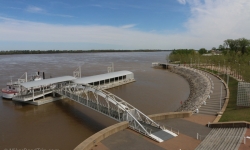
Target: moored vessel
(13,88)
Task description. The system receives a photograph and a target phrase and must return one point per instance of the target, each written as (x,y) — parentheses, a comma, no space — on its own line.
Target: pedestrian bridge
(89,91)
(114,107)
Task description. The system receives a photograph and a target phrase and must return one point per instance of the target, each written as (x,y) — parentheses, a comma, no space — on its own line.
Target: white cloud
(219,19)
(128,26)
(12,30)
(182,1)
(211,22)
(34,9)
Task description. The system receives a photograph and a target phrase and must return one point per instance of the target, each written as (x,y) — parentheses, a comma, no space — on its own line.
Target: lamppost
(239,72)
(207,65)
(224,66)
(219,68)
(212,67)
(234,72)
(220,93)
(209,61)
(199,62)
(228,73)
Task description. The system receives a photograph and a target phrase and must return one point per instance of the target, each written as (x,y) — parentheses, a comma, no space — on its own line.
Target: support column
(118,112)
(43,93)
(33,94)
(26,77)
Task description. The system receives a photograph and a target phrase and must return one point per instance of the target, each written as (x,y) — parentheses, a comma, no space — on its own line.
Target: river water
(64,124)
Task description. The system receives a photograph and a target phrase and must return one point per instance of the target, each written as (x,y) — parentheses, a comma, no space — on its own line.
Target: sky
(121,24)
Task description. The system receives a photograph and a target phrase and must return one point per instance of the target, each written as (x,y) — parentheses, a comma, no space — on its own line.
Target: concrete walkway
(188,127)
(213,104)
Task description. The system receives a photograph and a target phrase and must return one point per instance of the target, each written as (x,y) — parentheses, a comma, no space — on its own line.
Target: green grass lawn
(232,112)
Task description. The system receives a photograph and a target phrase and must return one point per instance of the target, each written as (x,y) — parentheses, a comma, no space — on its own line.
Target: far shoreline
(14,52)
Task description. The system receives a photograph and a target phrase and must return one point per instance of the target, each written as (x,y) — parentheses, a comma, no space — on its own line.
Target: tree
(202,51)
(232,44)
(243,43)
(221,48)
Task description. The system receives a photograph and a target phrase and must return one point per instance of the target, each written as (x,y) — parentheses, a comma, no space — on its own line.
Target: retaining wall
(200,87)
(169,115)
(90,142)
(232,124)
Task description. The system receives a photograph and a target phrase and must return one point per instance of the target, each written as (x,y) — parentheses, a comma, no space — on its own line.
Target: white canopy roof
(47,81)
(91,79)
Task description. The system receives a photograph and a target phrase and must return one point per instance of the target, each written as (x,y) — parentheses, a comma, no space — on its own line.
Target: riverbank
(200,87)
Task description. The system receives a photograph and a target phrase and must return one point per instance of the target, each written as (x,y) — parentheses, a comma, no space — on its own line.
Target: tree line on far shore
(233,54)
(9,52)
(239,46)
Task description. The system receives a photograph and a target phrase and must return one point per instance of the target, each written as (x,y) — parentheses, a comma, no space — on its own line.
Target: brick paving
(247,145)
(201,119)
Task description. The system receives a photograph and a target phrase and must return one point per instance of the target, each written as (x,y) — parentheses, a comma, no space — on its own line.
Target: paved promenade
(213,104)
(188,127)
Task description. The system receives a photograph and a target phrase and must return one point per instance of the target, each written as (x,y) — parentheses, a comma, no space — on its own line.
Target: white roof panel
(90,79)
(47,81)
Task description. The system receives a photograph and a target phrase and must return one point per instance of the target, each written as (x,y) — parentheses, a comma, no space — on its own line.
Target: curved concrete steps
(223,139)
(213,104)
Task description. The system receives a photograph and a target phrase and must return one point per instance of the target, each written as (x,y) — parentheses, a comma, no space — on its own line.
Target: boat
(13,88)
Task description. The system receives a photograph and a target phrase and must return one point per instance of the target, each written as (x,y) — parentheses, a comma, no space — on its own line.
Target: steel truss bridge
(114,107)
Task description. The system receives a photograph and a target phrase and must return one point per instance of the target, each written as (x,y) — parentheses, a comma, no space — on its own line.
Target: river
(64,124)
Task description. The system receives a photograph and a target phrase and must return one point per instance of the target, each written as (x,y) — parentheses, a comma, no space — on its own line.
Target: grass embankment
(233,112)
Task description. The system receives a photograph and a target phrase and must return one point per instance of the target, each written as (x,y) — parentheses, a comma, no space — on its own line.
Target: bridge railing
(109,105)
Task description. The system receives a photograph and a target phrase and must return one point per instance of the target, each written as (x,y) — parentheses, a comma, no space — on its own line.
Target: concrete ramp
(158,133)
(163,135)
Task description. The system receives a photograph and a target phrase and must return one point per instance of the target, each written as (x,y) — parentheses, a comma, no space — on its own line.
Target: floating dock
(43,91)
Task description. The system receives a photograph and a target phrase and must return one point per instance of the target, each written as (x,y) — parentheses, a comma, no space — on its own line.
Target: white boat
(13,88)
(8,93)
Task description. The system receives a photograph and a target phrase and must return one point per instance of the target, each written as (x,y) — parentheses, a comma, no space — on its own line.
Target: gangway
(114,107)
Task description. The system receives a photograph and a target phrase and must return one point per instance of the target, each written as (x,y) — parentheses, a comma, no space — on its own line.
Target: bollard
(197,136)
